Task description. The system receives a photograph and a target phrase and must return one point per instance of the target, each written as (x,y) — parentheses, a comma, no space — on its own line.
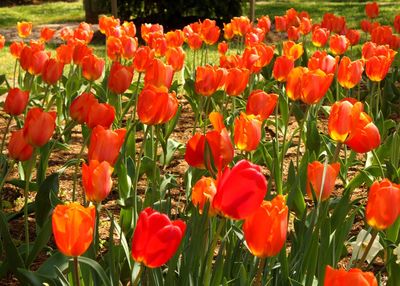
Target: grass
(47,13)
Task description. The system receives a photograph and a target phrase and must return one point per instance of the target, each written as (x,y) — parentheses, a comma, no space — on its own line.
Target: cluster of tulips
(231,225)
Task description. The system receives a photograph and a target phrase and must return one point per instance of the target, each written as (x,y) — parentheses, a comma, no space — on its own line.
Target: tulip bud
(96,180)
(39,126)
(18,148)
(16,101)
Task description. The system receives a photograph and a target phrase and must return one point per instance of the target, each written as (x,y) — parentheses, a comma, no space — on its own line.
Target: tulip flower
(266,229)
(96,180)
(377,67)
(264,22)
(350,73)
(396,23)
(194,154)
(105,144)
(240,190)
(92,67)
(383,207)
(293,33)
(16,101)
(159,74)
(33,60)
(100,114)
(247,132)
(261,103)
(80,107)
(210,32)
(282,67)
(208,80)
(64,54)
(120,78)
(46,34)
(52,71)
(39,126)
(222,48)
(257,56)
(204,191)
(343,115)
(107,24)
(236,81)
(156,238)
(24,29)
(320,37)
(73,227)
(158,44)
(292,50)
(156,106)
(176,58)
(81,51)
(352,277)
(318,172)
(280,23)
(16,49)
(323,61)
(129,46)
(240,25)
(147,29)
(228,32)
(175,38)
(2,41)
(143,58)
(305,26)
(372,10)
(353,36)
(338,44)
(18,148)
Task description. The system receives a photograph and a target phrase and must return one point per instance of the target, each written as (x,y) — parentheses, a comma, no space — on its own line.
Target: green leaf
(97,268)
(42,201)
(33,187)
(41,241)
(58,260)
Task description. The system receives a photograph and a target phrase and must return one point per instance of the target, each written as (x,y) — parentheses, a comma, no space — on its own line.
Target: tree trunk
(252,10)
(93,8)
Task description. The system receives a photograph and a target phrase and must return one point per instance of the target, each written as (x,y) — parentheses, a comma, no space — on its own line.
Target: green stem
(3,181)
(15,71)
(79,157)
(129,104)
(300,136)
(337,151)
(154,183)
(207,272)
(46,97)
(28,172)
(260,270)
(278,181)
(137,279)
(370,243)
(96,233)
(5,134)
(379,163)
(284,136)
(378,99)
(76,272)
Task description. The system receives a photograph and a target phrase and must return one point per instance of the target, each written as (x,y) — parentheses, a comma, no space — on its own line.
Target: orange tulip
(320,37)
(336,24)
(107,24)
(236,81)
(96,180)
(120,78)
(257,56)
(194,154)
(292,50)
(16,49)
(383,207)
(80,107)
(280,23)
(159,74)
(350,73)
(73,227)
(39,126)
(222,48)
(16,101)
(305,26)
(353,36)
(80,52)
(47,34)
(52,71)
(129,46)
(92,67)
(370,50)
(66,34)
(84,32)
(204,190)
(240,25)
(308,85)
(129,28)
(231,61)
(381,35)
(175,38)
(240,190)
(33,60)
(2,41)
(158,44)
(377,67)
(338,44)
(282,67)
(247,132)
(146,29)
(372,10)
(100,114)
(64,54)
(105,144)
(396,23)
(156,238)
(210,32)
(323,61)
(156,105)
(364,135)
(194,41)
(228,32)
(261,103)
(315,175)
(143,58)
(266,229)
(342,117)
(293,33)
(352,277)
(208,80)
(264,22)
(18,148)
(114,48)
(176,58)
(24,29)
(365,25)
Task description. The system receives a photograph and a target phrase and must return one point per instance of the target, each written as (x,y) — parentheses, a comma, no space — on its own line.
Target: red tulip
(52,71)
(350,73)
(33,60)
(320,37)
(338,44)
(208,80)
(247,132)
(65,53)
(261,103)
(396,23)
(292,50)
(114,48)
(318,172)
(377,67)
(280,23)
(39,126)
(18,148)
(100,114)
(16,101)
(282,67)
(293,33)
(228,32)
(129,47)
(16,49)
(73,227)
(372,10)
(383,207)
(2,41)
(46,34)
(240,25)
(194,154)
(143,58)
(105,144)
(107,24)
(264,22)
(257,56)
(159,74)
(24,29)
(352,277)
(80,107)
(96,180)
(236,81)
(240,190)
(210,32)
(92,67)
(204,191)
(156,238)
(176,58)
(222,48)
(323,61)
(266,229)
(120,78)
(156,105)
(146,29)
(175,38)
(81,51)
(353,36)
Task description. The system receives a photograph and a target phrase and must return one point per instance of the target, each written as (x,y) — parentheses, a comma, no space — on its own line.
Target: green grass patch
(47,13)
